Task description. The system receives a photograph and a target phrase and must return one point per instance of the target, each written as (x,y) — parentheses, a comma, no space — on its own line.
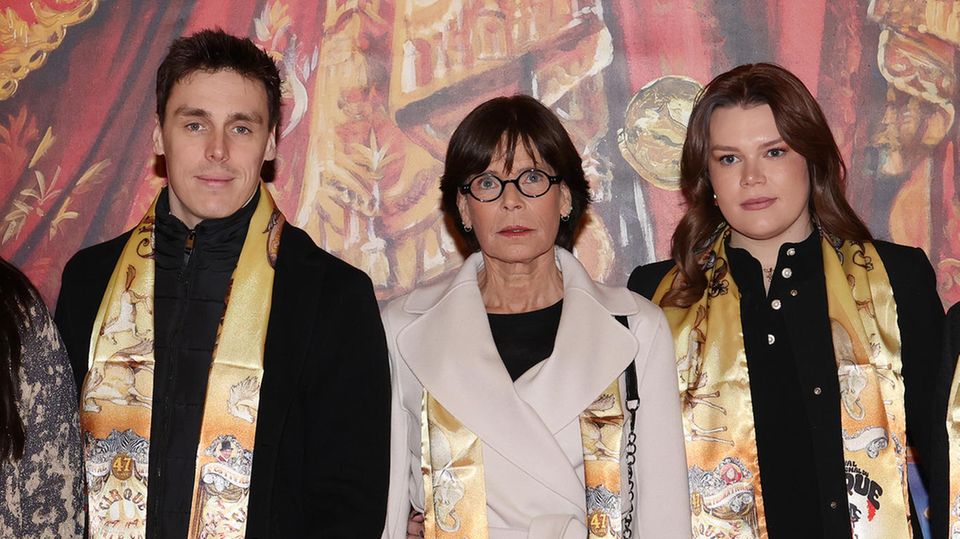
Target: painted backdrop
(373,89)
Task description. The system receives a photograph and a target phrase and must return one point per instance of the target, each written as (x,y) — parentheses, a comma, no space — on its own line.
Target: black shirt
(525,339)
(808,487)
(783,424)
(193,270)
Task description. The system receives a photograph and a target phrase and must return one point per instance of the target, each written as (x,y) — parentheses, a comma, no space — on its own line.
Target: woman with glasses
(529,400)
(806,349)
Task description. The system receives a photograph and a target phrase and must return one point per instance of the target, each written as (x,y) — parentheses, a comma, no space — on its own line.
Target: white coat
(439,340)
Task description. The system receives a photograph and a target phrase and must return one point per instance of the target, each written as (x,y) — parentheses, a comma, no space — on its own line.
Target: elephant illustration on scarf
(448,489)
(853,380)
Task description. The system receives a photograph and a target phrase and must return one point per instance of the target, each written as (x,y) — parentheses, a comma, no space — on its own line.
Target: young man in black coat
(312,404)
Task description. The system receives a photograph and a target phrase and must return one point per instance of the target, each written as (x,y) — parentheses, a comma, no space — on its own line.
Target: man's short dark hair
(215,50)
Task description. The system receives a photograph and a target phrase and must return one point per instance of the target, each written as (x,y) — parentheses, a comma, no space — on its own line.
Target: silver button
(817,390)
(771,339)
(833,505)
(775,304)
(793,292)
(787,273)
(791,251)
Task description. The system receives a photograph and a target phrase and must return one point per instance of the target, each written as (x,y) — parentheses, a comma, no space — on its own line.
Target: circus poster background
(373,89)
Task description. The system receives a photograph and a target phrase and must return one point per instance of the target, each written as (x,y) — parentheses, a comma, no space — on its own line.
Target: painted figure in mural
(804,347)
(41,478)
(224,357)
(529,398)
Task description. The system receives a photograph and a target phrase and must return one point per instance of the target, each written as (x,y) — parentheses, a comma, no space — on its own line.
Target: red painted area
(665,38)
(23,9)
(800,28)
(96,94)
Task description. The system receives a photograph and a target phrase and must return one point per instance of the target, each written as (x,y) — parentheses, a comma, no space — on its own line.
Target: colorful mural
(373,90)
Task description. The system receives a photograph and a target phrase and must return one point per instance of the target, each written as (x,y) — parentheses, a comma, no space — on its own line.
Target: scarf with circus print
(117,394)
(714,384)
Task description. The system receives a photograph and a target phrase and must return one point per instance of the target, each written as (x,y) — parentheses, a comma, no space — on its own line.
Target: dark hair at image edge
(214,50)
(16,300)
(803,127)
(495,128)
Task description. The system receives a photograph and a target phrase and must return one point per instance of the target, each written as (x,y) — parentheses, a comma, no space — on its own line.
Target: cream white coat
(439,340)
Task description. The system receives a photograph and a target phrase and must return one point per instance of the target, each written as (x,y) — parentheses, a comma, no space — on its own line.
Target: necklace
(768,274)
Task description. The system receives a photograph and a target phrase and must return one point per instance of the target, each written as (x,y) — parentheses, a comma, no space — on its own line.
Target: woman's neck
(509,288)
(767,250)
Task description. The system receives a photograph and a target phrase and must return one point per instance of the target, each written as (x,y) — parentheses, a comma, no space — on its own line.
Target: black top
(525,339)
(793,376)
(776,387)
(193,270)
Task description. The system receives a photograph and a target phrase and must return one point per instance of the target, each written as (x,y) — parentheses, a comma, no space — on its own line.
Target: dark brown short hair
(495,128)
(212,51)
(803,127)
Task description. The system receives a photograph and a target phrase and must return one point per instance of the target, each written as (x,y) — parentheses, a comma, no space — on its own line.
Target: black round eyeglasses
(487,186)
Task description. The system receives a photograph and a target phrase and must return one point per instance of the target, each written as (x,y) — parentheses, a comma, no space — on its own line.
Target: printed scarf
(452,467)
(725,491)
(117,395)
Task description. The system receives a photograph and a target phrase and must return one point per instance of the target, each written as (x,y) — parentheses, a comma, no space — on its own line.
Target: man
(228,363)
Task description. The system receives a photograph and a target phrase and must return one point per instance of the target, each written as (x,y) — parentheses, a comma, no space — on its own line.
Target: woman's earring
(715,203)
(565,218)
(467,228)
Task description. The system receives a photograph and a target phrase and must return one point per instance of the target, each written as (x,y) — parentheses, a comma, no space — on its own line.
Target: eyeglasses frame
(553,180)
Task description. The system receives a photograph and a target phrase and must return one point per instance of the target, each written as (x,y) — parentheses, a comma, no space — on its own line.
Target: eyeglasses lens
(488,187)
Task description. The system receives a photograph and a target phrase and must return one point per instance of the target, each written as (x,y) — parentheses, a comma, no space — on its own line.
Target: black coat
(940,502)
(322,445)
(919,318)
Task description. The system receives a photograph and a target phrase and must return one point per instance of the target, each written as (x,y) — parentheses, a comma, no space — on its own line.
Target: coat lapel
(450,349)
(591,350)
(296,292)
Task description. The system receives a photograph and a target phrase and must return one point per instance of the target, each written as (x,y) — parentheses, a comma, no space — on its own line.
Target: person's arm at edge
(663,499)
(66,324)
(398,500)
(940,451)
(645,279)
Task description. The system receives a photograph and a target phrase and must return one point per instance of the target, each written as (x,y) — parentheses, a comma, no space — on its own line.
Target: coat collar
(450,349)
(617,301)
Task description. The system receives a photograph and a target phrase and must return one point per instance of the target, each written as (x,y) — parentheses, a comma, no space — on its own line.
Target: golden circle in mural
(654,126)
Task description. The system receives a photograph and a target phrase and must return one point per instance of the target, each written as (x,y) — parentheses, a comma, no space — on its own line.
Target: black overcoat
(322,445)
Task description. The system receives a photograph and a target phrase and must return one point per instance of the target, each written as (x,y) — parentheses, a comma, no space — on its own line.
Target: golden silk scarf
(725,490)
(117,395)
(455,502)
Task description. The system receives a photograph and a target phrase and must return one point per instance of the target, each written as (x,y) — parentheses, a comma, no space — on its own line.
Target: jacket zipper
(184,281)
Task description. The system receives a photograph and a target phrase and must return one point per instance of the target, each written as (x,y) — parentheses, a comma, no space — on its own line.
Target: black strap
(632,402)
(631,372)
